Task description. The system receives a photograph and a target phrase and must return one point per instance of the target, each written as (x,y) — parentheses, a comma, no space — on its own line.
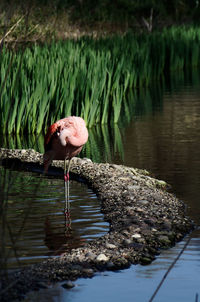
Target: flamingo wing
(50,133)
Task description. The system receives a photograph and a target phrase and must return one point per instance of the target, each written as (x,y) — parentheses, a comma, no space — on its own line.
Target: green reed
(87,77)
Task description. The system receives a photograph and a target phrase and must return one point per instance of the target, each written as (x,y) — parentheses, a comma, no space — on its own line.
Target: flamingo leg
(66,182)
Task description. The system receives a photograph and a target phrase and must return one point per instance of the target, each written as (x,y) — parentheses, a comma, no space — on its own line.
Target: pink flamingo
(64,140)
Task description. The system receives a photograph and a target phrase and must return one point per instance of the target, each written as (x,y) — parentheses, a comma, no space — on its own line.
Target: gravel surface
(144,219)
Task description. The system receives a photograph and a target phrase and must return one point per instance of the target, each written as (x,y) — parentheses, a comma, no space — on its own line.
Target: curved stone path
(144,219)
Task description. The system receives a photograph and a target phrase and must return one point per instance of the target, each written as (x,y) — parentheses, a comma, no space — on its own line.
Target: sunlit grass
(89,78)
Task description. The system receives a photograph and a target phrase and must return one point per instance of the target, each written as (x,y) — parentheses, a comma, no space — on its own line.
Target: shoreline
(143,219)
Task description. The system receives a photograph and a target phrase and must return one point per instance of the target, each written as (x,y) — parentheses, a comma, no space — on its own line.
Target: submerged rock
(143,218)
(68,285)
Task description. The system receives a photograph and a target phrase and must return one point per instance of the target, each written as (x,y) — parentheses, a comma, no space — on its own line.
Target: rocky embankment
(144,219)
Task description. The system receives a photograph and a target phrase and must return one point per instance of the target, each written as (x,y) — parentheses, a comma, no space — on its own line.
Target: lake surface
(160,133)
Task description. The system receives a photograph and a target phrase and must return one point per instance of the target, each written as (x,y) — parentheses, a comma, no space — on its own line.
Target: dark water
(33,225)
(161,133)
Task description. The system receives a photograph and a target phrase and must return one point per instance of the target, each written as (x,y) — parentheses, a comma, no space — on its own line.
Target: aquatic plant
(87,77)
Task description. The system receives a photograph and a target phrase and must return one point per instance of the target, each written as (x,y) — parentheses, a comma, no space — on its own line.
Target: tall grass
(90,78)
(110,140)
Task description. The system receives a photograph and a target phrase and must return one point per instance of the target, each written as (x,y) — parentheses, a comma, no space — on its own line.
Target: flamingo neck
(64,136)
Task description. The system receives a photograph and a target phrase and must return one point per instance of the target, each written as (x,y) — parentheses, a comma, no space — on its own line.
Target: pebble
(140,210)
(110,246)
(69,284)
(87,160)
(136,236)
(102,257)
(143,202)
(88,271)
(127,241)
(133,187)
(90,255)
(145,260)
(164,240)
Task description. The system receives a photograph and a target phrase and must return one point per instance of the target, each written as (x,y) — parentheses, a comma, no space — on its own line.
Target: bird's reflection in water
(60,239)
